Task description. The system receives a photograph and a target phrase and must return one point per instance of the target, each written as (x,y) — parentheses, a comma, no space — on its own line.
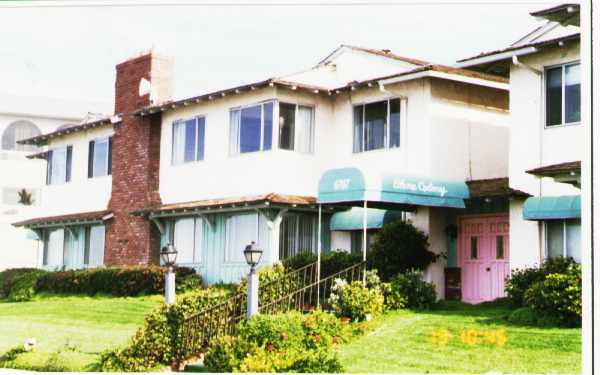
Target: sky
(68,49)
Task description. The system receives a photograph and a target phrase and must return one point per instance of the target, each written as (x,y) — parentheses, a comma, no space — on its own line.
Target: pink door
(483,257)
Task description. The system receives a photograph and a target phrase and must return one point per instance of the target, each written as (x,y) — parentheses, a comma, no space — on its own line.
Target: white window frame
(274,125)
(96,140)
(183,120)
(545,95)
(313,130)
(564,244)
(403,117)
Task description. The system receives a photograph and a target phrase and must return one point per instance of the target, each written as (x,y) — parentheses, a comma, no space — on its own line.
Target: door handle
(488,269)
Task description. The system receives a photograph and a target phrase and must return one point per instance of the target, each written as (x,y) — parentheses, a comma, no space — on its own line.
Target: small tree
(25,197)
(399,247)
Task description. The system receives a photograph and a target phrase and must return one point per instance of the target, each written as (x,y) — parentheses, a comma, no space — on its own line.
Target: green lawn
(80,327)
(402,341)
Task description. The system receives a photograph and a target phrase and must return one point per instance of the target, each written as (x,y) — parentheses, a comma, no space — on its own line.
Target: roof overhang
(447,76)
(43,139)
(568,173)
(565,14)
(83,218)
(496,57)
(494,188)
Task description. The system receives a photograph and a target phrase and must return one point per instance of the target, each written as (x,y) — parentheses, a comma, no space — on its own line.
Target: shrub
(7,277)
(23,286)
(399,247)
(226,353)
(117,281)
(523,316)
(299,260)
(263,360)
(159,341)
(411,291)
(275,331)
(522,279)
(558,296)
(331,262)
(355,301)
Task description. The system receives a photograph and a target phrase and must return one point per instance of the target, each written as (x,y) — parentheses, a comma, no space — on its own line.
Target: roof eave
(496,57)
(448,76)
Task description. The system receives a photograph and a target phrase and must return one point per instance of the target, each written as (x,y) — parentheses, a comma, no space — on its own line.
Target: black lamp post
(169,257)
(252,254)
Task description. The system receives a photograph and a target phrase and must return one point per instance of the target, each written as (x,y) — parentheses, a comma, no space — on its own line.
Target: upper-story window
(100,157)
(377,125)
(17,131)
(188,140)
(296,127)
(59,165)
(563,95)
(251,128)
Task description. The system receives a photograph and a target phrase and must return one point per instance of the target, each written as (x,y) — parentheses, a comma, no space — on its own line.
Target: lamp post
(169,256)
(252,254)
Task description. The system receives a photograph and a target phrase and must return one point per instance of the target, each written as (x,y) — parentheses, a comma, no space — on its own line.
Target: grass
(401,341)
(79,327)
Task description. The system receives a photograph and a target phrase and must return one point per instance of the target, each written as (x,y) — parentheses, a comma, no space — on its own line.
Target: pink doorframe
(483,256)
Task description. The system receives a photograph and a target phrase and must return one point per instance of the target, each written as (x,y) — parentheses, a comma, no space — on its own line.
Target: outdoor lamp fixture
(169,256)
(252,254)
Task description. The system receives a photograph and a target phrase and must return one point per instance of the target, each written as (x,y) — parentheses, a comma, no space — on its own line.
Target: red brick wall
(135,165)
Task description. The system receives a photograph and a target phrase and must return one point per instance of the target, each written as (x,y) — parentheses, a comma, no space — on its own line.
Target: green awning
(353,218)
(549,208)
(346,185)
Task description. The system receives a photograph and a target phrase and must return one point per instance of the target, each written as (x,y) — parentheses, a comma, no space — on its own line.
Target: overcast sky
(70,52)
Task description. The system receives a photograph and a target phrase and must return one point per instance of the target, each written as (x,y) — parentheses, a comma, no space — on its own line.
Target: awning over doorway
(352,219)
(550,208)
(347,185)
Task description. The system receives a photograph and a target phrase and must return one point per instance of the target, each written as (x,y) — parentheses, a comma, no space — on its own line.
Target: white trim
(448,76)
(496,57)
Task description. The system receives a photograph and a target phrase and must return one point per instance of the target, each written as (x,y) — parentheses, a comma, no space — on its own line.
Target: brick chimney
(140,81)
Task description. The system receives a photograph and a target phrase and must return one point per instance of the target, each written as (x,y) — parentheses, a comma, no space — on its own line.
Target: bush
(159,341)
(409,290)
(355,301)
(557,296)
(523,316)
(117,281)
(299,260)
(399,247)
(520,280)
(331,262)
(290,342)
(23,286)
(7,277)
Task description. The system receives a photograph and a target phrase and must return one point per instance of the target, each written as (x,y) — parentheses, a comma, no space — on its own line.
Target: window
(100,157)
(563,239)
(377,125)
(187,238)
(59,165)
(242,229)
(563,95)
(94,246)
(356,241)
(53,248)
(298,233)
(17,131)
(188,140)
(251,128)
(499,247)
(72,255)
(296,127)
(474,248)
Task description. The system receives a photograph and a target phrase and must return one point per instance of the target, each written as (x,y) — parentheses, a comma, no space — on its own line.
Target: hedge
(7,279)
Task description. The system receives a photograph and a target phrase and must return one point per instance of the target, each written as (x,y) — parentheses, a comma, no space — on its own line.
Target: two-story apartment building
(546,136)
(22,179)
(212,173)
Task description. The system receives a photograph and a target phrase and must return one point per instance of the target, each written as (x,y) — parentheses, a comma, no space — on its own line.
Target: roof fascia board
(62,224)
(497,57)
(442,75)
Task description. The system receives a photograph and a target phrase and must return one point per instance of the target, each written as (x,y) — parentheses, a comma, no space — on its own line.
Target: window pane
(572,93)
(554,96)
(190,141)
(358,129)
(375,125)
(250,129)
(555,238)
(268,124)
(240,231)
(201,136)
(287,117)
(96,245)
(184,240)
(356,242)
(100,167)
(305,129)
(54,248)
(178,142)
(499,247)
(474,248)
(59,166)
(234,132)
(306,234)
(288,241)
(395,123)
(574,239)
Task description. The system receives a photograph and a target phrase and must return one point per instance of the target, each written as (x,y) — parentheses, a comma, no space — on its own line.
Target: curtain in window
(234,132)
(96,246)
(376,125)
(305,129)
(572,93)
(555,238)
(178,142)
(198,239)
(288,236)
(554,96)
(59,166)
(53,254)
(73,258)
(574,239)
(358,129)
(298,233)
(287,119)
(268,125)
(394,123)
(240,231)
(184,240)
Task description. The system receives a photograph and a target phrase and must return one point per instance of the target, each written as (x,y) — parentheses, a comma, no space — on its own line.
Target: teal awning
(549,208)
(352,219)
(346,185)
